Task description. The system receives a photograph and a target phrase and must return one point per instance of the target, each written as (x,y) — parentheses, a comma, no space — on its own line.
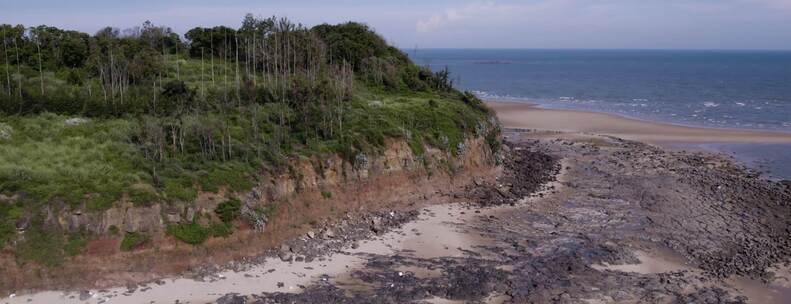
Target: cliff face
(306,193)
(302,176)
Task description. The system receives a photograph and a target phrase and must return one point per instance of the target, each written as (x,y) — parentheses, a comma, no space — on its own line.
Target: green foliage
(147,116)
(142,194)
(229,210)
(43,247)
(326,194)
(195,234)
(75,244)
(114,230)
(220,229)
(133,240)
(192,233)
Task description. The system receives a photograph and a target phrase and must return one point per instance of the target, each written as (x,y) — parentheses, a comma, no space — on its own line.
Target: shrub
(220,229)
(195,234)
(229,210)
(133,240)
(191,233)
(75,245)
(113,230)
(43,247)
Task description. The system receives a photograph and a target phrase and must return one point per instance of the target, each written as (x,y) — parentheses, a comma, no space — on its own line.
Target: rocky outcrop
(298,176)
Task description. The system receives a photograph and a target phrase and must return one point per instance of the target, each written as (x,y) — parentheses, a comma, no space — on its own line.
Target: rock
(5,132)
(143,219)
(22,224)
(76,121)
(329,233)
(376,225)
(285,254)
(311,234)
(232,298)
(85,295)
(190,214)
(173,217)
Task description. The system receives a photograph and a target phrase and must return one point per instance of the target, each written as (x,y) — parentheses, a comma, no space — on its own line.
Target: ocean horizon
(730,89)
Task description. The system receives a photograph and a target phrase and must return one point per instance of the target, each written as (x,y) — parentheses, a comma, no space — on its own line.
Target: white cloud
(775,4)
(453,15)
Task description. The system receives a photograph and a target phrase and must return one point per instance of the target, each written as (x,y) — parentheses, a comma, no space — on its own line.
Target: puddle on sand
(776,292)
(665,260)
(658,261)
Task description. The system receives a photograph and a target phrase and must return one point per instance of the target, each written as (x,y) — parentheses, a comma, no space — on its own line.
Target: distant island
(492,62)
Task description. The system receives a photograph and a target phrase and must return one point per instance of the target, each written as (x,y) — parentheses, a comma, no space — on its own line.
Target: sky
(587,24)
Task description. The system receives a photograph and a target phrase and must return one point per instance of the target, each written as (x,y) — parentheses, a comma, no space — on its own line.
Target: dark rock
(85,295)
(232,298)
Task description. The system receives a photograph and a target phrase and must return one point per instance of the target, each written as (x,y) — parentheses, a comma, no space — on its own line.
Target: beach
(524,115)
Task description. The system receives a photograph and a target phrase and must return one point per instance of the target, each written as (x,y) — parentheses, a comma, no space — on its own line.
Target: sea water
(711,88)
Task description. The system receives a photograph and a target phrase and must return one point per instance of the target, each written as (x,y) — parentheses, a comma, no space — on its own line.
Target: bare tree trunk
(211,35)
(255,63)
(18,73)
(202,83)
(225,68)
(112,77)
(164,57)
(238,84)
(178,73)
(40,71)
(7,64)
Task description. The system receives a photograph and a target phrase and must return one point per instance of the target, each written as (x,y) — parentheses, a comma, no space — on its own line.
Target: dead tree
(7,64)
(40,71)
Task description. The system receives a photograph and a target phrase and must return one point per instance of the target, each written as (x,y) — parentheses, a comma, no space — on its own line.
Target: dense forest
(146,113)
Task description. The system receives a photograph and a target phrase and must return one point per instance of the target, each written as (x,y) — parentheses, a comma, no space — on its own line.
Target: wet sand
(529,116)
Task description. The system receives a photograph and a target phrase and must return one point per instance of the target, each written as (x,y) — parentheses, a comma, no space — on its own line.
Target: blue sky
(678,24)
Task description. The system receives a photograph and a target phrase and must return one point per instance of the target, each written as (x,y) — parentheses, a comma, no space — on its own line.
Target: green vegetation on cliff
(141,115)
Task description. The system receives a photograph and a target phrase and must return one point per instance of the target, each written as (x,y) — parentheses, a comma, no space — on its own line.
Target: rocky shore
(698,228)
(573,218)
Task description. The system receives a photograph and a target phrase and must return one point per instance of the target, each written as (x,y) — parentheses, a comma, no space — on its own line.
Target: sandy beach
(529,116)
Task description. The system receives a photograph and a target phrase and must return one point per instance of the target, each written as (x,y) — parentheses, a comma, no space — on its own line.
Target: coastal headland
(571,217)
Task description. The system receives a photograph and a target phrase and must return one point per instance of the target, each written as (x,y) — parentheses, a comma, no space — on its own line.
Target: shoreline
(526,115)
(567,207)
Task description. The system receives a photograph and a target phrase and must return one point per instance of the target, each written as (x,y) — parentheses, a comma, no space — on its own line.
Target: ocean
(722,89)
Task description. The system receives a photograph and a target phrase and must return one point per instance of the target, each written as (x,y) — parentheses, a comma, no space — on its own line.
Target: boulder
(285,254)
